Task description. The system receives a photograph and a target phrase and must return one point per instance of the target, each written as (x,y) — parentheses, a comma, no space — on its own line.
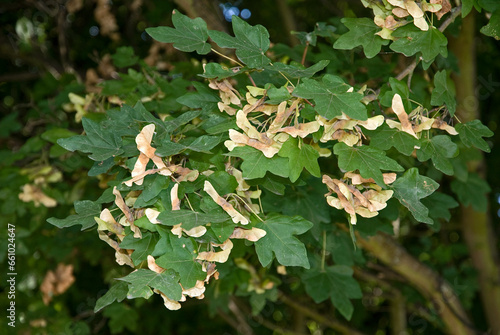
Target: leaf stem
(323,252)
(304,54)
(247,206)
(251,79)
(226,57)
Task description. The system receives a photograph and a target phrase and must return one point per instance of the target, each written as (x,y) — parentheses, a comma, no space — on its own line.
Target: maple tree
(258,169)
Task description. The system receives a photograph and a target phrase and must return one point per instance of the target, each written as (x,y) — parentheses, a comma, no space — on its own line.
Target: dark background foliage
(49,49)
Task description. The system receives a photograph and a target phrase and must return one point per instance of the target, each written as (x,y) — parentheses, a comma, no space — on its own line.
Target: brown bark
(425,280)
(476,226)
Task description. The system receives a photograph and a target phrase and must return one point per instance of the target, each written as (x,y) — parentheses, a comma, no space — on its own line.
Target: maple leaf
(179,254)
(279,240)
(472,192)
(142,246)
(188,35)
(86,211)
(56,282)
(189,219)
(117,292)
(439,149)
(362,32)
(444,92)
(439,205)
(297,71)
(412,40)
(250,42)
(300,156)
(255,164)
(492,29)
(101,143)
(334,282)
(385,137)
(410,188)
(142,280)
(332,97)
(472,133)
(368,160)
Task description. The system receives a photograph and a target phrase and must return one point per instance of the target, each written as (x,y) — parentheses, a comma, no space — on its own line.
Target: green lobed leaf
(472,192)
(115,315)
(117,292)
(400,87)
(472,133)
(300,156)
(216,70)
(189,218)
(297,71)
(223,182)
(492,29)
(180,255)
(222,230)
(307,201)
(167,282)
(467,6)
(153,185)
(334,282)
(488,5)
(124,57)
(439,205)
(368,160)
(410,188)
(142,246)
(128,121)
(386,137)
(255,164)
(204,98)
(101,144)
(439,149)
(280,241)
(203,143)
(250,42)
(86,211)
(444,92)
(361,33)
(331,97)
(189,34)
(412,40)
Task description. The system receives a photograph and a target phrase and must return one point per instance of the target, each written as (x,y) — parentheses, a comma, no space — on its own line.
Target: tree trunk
(476,226)
(424,279)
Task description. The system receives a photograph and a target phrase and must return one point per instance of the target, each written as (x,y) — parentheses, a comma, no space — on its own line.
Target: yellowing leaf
(238,139)
(169,303)
(398,108)
(226,91)
(57,282)
(108,222)
(220,256)
(282,115)
(128,213)
(152,215)
(34,193)
(226,206)
(195,291)
(153,266)
(253,234)
(176,203)
(301,129)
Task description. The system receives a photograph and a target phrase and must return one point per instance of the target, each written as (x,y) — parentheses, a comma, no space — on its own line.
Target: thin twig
(408,71)
(326,321)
